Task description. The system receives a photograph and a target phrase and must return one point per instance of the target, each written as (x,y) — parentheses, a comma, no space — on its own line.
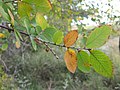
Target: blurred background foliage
(25,69)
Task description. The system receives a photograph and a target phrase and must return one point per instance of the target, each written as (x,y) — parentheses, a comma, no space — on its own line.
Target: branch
(59,45)
(10,29)
(38,39)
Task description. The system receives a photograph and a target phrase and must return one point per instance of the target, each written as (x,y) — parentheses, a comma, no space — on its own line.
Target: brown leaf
(70,38)
(70,60)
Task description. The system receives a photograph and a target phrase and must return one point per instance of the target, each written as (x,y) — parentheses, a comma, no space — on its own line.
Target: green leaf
(4,46)
(17,40)
(11,17)
(3,13)
(33,22)
(40,20)
(38,29)
(33,43)
(33,32)
(24,9)
(83,42)
(18,33)
(83,61)
(48,34)
(98,37)
(18,25)
(101,63)
(42,6)
(58,37)
(27,25)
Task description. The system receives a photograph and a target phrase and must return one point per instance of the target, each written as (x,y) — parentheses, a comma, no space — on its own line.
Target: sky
(103,6)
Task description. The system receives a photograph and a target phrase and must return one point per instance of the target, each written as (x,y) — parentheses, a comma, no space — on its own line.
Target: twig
(38,39)
(10,29)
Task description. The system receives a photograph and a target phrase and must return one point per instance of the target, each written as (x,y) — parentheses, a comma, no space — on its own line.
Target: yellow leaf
(2,35)
(11,16)
(70,60)
(17,44)
(41,21)
(70,38)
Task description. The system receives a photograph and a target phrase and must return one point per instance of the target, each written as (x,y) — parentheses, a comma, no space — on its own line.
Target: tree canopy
(49,22)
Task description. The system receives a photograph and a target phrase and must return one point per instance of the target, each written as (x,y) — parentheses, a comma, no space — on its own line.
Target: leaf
(38,29)
(83,41)
(101,63)
(24,9)
(19,35)
(98,37)
(27,25)
(42,6)
(48,34)
(33,43)
(2,35)
(17,44)
(83,61)
(4,46)
(33,32)
(70,60)
(40,20)
(70,38)
(58,37)
(3,13)
(11,16)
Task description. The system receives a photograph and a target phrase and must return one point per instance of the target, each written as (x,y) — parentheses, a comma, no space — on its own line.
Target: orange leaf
(2,35)
(70,60)
(17,44)
(70,38)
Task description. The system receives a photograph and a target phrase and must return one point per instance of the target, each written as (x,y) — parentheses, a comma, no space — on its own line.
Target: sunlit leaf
(41,6)
(83,61)
(70,38)
(98,37)
(24,9)
(40,20)
(58,37)
(11,16)
(101,63)
(70,60)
